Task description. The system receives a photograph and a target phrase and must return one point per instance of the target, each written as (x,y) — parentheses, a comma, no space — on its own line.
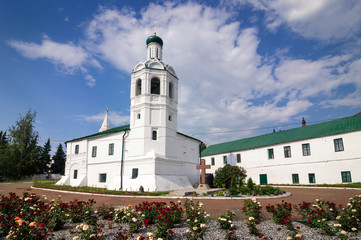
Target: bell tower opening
(155,86)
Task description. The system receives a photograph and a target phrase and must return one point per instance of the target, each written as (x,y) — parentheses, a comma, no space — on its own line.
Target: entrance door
(262,179)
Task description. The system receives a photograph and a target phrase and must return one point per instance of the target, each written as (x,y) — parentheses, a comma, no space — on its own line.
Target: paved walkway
(297,195)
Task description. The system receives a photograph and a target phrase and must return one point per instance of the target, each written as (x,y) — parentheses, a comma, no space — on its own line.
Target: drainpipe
(121,164)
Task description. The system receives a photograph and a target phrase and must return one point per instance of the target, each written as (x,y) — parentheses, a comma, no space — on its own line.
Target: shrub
(224,175)
(226,220)
(196,219)
(281,214)
(250,184)
(233,188)
(252,209)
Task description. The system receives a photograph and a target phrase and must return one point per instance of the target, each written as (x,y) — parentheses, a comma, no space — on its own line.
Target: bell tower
(154,99)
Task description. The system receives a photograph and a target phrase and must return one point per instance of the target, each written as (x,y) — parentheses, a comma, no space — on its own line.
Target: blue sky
(244,66)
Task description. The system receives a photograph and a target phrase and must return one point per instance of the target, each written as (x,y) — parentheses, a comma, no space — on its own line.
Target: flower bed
(33,217)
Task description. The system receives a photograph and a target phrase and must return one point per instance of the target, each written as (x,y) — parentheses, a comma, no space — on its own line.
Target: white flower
(134,219)
(203,225)
(354,229)
(85,227)
(251,218)
(160,239)
(338,217)
(229,221)
(331,209)
(337,225)
(353,210)
(349,204)
(200,204)
(95,211)
(128,214)
(195,228)
(343,232)
(188,220)
(195,220)
(149,234)
(317,200)
(75,238)
(232,225)
(187,231)
(92,236)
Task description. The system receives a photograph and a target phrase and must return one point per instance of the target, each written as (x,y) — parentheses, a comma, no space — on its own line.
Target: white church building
(328,152)
(149,152)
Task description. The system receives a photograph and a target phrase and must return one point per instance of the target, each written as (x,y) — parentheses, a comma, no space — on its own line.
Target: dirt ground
(298,195)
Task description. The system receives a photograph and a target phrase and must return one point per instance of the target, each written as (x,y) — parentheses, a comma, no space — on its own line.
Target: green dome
(155,38)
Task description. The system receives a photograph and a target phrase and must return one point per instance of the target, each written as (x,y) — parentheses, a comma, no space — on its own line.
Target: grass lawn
(94,190)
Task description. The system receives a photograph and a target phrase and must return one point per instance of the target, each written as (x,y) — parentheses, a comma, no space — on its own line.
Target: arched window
(154,135)
(138,85)
(155,86)
(171,90)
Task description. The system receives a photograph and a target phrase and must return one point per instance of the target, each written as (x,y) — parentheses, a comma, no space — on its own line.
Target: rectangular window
(212,161)
(238,158)
(338,144)
(76,149)
(94,151)
(154,135)
(311,178)
(346,176)
(134,173)
(306,151)
(75,174)
(102,177)
(295,179)
(271,154)
(287,150)
(224,159)
(111,149)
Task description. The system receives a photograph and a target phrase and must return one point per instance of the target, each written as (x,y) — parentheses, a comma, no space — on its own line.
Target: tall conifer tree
(44,161)
(59,161)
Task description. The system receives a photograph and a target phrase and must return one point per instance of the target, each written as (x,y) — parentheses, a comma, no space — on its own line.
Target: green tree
(223,176)
(23,152)
(59,161)
(3,151)
(44,161)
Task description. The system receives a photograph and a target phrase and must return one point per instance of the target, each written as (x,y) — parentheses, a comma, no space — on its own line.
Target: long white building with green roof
(149,152)
(328,152)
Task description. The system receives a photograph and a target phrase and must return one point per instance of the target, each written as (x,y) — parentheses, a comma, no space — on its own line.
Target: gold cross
(155,26)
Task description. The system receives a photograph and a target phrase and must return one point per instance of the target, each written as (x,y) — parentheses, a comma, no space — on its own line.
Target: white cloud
(67,56)
(321,19)
(223,82)
(115,118)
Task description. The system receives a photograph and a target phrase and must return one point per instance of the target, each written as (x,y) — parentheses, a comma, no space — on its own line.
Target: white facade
(155,155)
(311,161)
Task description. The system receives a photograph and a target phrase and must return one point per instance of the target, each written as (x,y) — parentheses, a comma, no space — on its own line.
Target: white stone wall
(324,162)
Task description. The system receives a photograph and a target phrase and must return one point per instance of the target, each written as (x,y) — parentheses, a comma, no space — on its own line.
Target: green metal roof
(155,38)
(115,130)
(334,127)
(106,132)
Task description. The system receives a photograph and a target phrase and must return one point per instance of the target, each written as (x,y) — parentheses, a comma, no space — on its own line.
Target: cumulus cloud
(224,84)
(321,19)
(67,56)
